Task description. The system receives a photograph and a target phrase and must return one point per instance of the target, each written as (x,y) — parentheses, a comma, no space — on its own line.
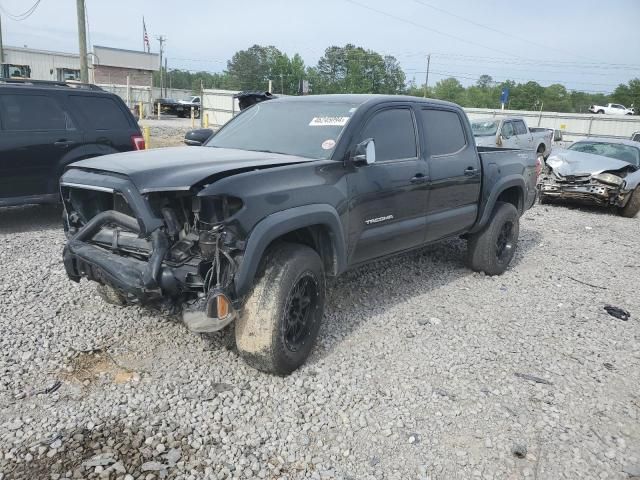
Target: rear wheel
(632,207)
(491,250)
(600,111)
(280,320)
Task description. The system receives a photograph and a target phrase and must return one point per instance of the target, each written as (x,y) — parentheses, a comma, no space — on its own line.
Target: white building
(106,65)
(40,64)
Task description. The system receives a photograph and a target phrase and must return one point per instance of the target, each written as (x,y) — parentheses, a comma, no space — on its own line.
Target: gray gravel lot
(415,374)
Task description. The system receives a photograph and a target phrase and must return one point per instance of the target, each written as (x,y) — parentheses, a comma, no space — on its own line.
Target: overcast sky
(589,45)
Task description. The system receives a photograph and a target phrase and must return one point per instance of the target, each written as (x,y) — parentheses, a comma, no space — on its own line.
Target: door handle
(470,171)
(419,178)
(63,143)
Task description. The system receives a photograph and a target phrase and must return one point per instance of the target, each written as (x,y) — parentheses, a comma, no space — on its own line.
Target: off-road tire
(110,295)
(261,328)
(600,112)
(632,207)
(482,247)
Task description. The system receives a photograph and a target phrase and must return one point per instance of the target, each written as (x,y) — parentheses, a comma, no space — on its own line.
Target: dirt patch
(88,367)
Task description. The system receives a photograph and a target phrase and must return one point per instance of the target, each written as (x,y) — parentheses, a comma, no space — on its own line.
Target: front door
(36,133)
(525,139)
(388,198)
(508,134)
(454,171)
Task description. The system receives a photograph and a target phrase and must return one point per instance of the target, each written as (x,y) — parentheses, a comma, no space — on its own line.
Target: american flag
(145,37)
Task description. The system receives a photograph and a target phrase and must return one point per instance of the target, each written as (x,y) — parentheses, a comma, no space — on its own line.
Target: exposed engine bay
(186,266)
(588,178)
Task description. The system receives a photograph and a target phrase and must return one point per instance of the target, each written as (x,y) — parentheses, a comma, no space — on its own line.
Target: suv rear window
(32,113)
(102,113)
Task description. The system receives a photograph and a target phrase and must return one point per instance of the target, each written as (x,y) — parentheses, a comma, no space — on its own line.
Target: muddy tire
(632,207)
(110,295)
(280,320)
(491,250)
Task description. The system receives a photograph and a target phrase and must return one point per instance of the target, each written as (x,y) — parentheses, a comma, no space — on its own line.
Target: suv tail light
(138,142)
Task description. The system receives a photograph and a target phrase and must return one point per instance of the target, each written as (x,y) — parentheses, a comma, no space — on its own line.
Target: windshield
(484,128)
(307,129)
(618,151)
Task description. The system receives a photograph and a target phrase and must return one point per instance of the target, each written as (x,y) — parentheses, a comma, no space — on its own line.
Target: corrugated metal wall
(43,65)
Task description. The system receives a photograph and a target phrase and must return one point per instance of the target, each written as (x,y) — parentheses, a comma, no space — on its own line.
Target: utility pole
(426,81)
(166,71)
(82,40)
(1,49)
(161,39)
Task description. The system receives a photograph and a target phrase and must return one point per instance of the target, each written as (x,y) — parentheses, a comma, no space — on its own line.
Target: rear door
(37,132)
(388,198)
(454,172)
(106,121)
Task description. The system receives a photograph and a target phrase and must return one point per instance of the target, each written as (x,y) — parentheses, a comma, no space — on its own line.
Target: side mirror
(197,137)
(365,153)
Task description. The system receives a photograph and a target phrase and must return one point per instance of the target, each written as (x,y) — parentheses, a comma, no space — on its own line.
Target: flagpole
(143,29)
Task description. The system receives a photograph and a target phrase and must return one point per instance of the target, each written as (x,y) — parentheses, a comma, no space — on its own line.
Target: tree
(252,69)
(628,94)
(484,81)
(449,89)
(352,69)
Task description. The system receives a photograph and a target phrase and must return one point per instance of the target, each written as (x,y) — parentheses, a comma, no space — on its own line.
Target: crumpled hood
(569,162)
(179,168)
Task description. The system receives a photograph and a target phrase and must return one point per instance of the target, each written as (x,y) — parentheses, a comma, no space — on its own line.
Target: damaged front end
(172,249)
(604,189)
(588,178)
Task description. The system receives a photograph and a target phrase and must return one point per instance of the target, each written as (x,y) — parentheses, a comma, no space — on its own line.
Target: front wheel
(280,320)
(491,250)
(632,207)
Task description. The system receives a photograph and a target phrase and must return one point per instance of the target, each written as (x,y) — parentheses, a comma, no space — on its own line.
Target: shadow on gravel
(581,207)
(82,450)
(29,218)
(378,288)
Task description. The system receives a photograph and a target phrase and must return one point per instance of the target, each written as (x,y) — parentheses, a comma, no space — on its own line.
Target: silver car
(601,171)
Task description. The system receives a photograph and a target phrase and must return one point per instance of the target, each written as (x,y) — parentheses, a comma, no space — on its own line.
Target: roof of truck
(362,98)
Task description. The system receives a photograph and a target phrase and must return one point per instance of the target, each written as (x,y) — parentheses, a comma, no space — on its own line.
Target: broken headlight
(609,179)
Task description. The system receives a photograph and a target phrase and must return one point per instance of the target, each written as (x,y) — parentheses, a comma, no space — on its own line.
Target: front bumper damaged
(592,192)
(147,257)
(135,279)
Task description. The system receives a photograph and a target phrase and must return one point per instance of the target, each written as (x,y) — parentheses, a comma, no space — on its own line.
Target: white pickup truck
(612,109)
(510,132)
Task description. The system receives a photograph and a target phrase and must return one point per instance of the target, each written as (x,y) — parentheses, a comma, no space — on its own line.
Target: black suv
(45,126)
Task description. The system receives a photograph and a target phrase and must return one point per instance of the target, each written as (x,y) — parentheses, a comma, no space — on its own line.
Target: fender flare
(504,183)
(280,223)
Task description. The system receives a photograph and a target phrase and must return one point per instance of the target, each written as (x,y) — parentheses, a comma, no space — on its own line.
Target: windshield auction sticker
(328,121)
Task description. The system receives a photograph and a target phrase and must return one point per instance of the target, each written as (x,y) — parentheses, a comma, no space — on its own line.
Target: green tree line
(353,69)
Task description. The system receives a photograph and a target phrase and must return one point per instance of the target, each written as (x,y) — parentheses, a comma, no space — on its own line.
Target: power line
(21,16)
(487,27)
(419,25)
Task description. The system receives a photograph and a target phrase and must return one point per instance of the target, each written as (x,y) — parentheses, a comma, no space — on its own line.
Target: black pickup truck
(243,230)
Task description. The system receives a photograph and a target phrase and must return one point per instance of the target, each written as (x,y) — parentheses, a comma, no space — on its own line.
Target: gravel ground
(169,131)
(423,370)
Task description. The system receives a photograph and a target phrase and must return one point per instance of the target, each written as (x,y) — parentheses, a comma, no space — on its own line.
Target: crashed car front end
(171,249)
(567,176)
